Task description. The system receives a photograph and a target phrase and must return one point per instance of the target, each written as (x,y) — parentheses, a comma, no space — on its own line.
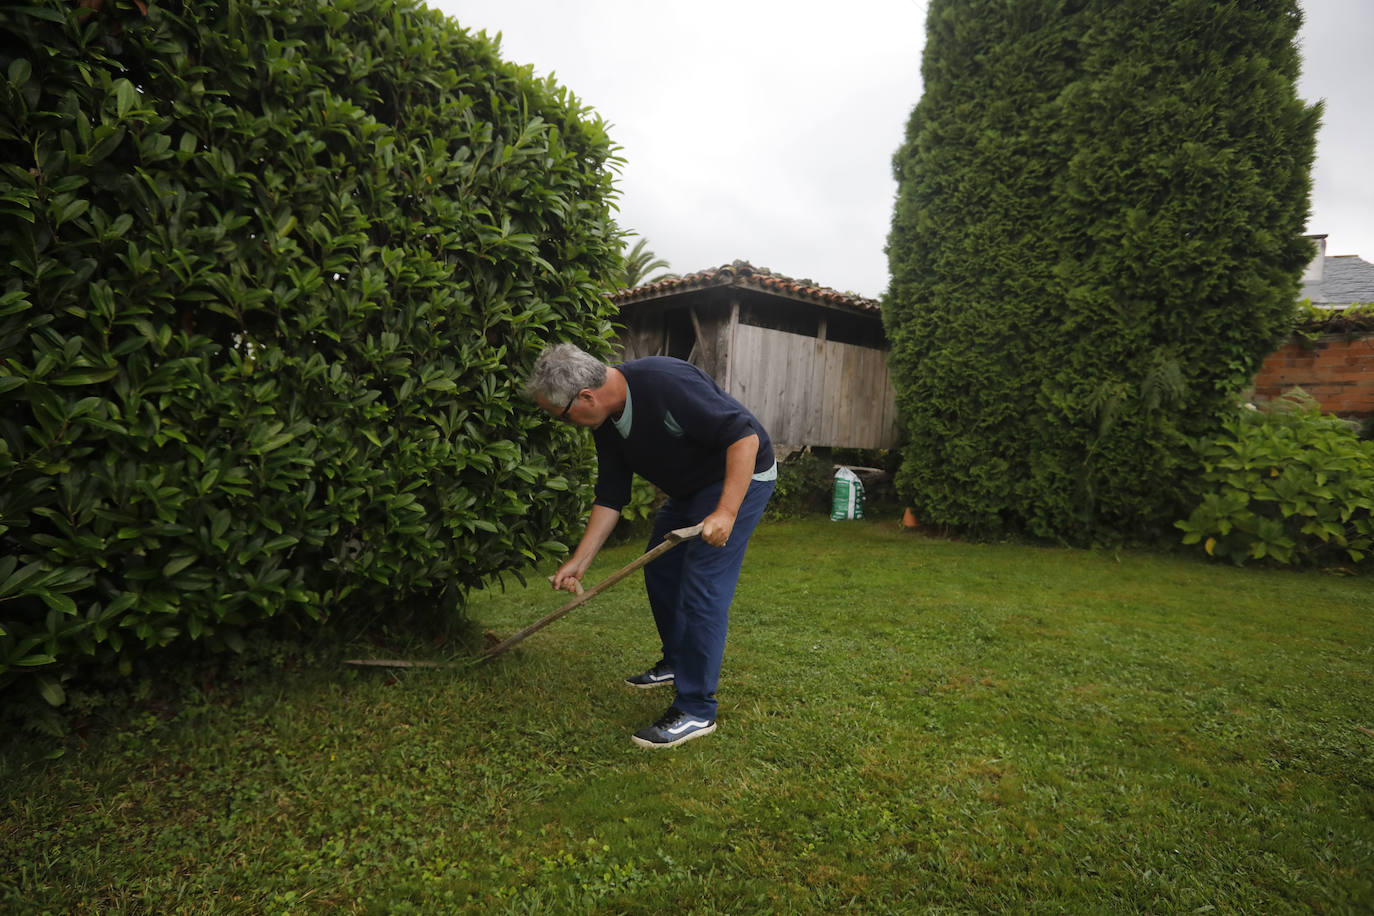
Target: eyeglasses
(564,415)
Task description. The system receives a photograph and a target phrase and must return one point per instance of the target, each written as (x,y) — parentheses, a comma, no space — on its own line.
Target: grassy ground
(907,725)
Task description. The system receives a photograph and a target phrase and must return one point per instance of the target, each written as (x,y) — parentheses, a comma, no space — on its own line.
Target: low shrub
(637,515)
(1288,484)
(645,498)
(803,487)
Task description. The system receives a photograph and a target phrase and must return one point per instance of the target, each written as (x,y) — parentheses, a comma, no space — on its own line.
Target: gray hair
(563,370)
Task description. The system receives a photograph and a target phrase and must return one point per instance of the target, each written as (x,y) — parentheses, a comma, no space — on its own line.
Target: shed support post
(728,371)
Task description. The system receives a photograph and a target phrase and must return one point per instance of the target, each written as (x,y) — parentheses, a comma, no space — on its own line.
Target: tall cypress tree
(1097,238)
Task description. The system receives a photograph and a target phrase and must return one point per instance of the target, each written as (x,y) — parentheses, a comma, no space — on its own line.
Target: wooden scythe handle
(672,540)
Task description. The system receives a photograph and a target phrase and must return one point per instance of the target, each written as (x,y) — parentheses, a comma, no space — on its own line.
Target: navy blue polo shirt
(674,431)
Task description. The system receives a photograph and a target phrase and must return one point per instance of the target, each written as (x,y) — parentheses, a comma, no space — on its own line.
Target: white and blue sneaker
(673,728)
(660,675)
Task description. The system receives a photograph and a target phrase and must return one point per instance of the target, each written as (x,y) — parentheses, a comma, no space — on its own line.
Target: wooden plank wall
(643,337)
(647,335)
(808,391)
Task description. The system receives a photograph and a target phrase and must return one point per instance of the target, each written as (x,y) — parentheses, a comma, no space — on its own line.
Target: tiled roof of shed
(745,275)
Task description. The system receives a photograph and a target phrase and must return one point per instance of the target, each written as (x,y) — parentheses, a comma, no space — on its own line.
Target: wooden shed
(810,362)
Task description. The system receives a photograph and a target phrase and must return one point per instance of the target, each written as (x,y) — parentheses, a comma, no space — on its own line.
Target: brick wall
(1336,370)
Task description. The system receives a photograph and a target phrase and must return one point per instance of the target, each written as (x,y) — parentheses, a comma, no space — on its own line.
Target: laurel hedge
(272,273)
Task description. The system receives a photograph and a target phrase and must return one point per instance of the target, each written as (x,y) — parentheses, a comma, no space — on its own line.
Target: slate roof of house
(1346,279)
(746,276)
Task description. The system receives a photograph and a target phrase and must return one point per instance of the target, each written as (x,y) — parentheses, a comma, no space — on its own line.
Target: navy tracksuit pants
(690,589)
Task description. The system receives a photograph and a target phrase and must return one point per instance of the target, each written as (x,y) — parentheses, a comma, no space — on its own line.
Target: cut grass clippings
(907,724)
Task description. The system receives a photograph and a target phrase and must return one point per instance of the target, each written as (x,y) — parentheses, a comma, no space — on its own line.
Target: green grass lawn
(907,725)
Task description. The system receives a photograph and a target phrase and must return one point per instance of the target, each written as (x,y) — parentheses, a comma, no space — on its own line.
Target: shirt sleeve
(613,477)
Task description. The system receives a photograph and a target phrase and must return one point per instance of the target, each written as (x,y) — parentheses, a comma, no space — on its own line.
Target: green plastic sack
(847,496)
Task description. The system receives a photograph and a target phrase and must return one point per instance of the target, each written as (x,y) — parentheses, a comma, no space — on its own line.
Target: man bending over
(667,421)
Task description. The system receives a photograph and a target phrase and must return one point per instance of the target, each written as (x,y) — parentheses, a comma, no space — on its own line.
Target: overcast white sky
(763,130)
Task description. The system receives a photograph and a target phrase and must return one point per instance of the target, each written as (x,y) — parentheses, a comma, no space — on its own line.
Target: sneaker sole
(653,746)
(669,682)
